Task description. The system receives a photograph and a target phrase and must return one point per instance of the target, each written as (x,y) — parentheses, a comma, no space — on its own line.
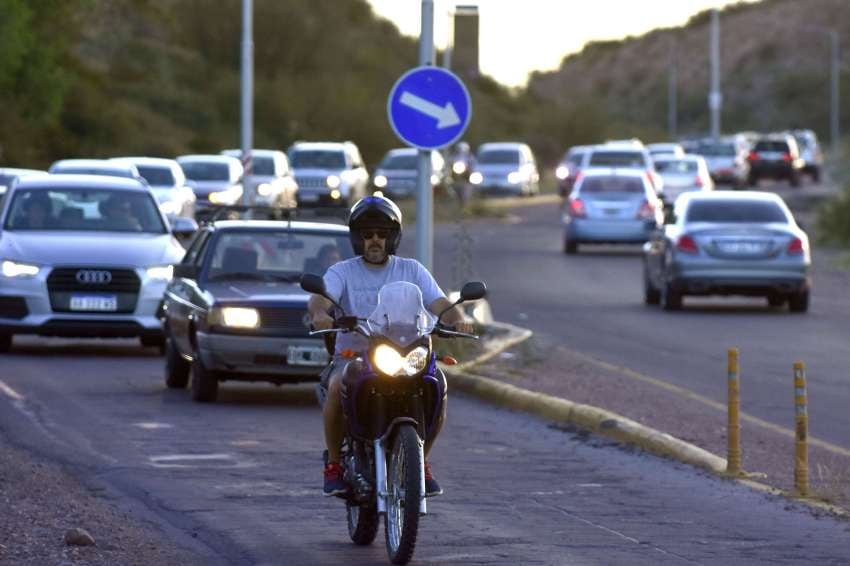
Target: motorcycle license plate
(101,303)
(307,356)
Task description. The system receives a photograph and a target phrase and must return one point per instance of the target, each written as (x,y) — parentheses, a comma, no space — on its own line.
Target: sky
(520,36)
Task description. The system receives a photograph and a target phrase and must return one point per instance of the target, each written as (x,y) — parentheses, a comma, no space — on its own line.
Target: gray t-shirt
(354,285)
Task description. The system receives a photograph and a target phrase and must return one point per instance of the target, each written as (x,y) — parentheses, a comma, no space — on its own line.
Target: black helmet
(374,212)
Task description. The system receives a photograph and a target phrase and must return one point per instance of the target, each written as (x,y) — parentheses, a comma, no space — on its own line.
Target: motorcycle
(392,398)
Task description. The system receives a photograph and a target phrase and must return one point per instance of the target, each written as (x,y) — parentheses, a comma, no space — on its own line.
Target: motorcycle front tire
(401,523)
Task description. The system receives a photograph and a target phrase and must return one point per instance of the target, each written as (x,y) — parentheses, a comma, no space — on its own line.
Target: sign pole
(424,193)
(247,101)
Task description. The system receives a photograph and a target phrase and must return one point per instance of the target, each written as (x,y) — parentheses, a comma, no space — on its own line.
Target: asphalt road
(593,303)
(238,481)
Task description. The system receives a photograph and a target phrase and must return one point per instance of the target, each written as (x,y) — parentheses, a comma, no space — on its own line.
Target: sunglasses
(369,233)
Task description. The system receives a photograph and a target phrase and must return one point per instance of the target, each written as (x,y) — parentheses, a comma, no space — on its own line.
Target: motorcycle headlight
(459,167)
(380,181)
(227,196)
(562,172)
(17,269)
(476,178)
(239,317)
(388,361)
(164,272)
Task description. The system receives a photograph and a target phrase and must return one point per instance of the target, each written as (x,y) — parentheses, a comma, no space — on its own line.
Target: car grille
(62,283)
(284,321)
(312,182)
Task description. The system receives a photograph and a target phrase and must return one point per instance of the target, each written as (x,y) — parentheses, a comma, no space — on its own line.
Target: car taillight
(786,157)
(646,211)
(796,247)
(577,209)
(686,244)
(753,156)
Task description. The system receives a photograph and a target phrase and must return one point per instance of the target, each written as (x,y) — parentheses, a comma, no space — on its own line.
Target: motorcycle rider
(375,225)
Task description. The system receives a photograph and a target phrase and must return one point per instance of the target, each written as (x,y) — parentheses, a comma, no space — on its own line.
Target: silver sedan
(729,243)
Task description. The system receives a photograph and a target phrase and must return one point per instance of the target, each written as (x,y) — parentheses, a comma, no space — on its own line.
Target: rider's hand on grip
(322,321)
(465,326)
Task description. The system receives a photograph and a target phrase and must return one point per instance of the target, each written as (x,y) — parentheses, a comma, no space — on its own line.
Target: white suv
(328,173)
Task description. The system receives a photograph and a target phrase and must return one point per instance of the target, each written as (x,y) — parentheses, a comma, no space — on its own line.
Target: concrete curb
(596,420)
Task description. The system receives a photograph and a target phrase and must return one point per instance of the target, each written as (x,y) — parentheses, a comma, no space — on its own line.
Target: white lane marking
(11,393)
(590,485)
(198,460)
(153,426)
(245,443)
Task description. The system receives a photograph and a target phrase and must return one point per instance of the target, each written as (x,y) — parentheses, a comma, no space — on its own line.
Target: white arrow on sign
(446,116)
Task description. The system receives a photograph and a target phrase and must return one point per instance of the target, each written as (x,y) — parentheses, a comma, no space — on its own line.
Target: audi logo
(94,277)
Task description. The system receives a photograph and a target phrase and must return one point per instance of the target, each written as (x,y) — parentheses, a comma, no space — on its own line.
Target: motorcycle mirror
(473,291)
(313,283)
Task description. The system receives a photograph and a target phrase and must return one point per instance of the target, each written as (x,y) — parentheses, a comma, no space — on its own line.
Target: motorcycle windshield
(400,315)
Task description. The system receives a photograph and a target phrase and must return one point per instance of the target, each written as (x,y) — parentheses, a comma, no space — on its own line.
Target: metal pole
(733,426)
(450,41)
(424,193)
(801,457)
(715,98)
(672,92)
(835,100)
(247,100)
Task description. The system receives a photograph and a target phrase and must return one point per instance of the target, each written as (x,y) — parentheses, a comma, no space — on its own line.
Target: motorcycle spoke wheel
(404,495)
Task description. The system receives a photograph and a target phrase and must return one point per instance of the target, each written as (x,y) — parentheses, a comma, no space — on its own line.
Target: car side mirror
(183,227)
(313,283)
(186,271)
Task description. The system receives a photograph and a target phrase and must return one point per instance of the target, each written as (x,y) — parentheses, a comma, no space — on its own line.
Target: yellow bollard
(733,427)
(801,464)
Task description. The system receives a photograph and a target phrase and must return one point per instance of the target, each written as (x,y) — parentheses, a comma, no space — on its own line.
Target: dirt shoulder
(40,502)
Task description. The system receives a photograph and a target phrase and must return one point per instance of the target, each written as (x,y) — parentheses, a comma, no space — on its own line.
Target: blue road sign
(429,108)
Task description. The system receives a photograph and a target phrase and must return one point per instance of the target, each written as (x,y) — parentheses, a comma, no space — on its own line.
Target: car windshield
(675,166)
(772,146)
(618,159)
(317,159)
(717,150)
(159,176)
(263,166)
(400,314)
(498,157)
(206,170)
(399,161)
(107,171)
(85,209)
(254,255)
(610,184)
(735,211)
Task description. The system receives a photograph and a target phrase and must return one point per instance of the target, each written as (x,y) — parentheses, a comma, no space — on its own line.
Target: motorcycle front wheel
(404,487)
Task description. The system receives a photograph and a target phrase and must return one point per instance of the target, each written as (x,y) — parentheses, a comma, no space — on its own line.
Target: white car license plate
(743,247)
(103,303)
(306,197)
(307,356)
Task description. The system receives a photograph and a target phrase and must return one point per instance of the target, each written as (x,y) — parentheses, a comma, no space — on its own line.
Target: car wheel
(671,299)
(204,383)
(5,343)
(176,368)
(775,300)
(799,302)
(651,295)
(570,247)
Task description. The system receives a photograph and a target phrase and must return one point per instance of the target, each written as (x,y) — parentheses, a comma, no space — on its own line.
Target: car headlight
(476,178)
(333,182)
(388,361)
(435,179)
(163,272)
(240,317)
(459,167)
(17,269)
(562,172)
(227,196)
(335,194)
(378,193)
(514,177)
(380,181)
(264,189)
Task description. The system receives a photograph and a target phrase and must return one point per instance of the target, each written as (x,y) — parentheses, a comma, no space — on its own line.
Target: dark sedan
(235,310)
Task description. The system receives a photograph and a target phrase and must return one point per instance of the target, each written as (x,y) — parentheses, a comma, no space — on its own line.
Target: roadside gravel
(40,502)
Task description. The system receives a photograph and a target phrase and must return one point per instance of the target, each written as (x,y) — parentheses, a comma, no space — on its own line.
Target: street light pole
(715,98)
(424,194)
(247,101)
